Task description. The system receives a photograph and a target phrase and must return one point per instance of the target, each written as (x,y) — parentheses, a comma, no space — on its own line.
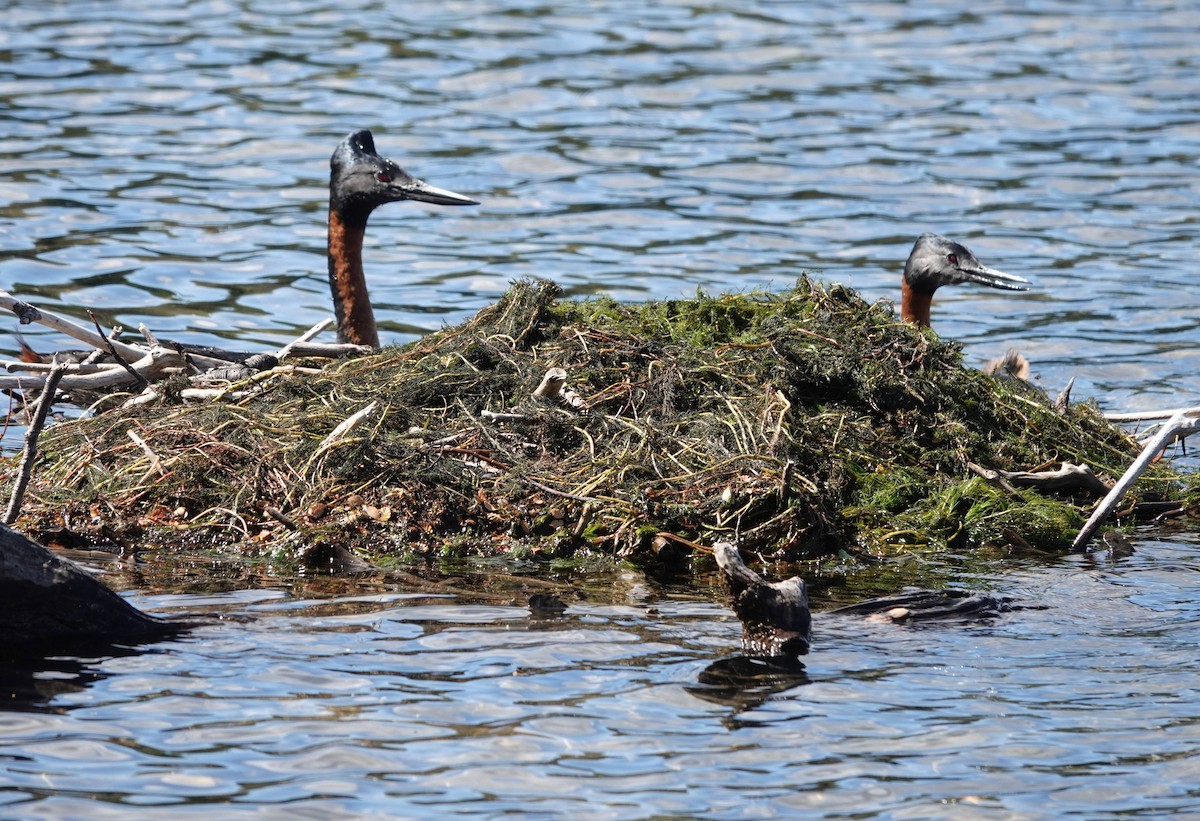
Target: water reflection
(32,684)
(745,682)
(385,697)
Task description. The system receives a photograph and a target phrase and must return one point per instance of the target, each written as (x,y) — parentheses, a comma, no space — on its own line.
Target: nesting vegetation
(798,424)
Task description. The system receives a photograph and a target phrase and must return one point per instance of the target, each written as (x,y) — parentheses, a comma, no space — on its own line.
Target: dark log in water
(48,603)
(775,617)
(945,606)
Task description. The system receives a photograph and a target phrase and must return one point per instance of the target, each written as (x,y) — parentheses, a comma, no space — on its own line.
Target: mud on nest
(798,423)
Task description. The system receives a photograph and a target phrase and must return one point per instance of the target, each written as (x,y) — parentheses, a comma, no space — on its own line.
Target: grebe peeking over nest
(936,261)
(359,182)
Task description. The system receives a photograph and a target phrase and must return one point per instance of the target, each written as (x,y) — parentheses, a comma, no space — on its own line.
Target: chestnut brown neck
(914,305)
(348,283)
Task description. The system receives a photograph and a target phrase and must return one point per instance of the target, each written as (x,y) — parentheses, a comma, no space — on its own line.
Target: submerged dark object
(546,605)
(936,261)
(50,604)
(916,605)
(775,617)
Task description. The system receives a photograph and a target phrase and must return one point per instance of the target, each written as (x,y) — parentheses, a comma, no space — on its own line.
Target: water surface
(168,165)
(387,702)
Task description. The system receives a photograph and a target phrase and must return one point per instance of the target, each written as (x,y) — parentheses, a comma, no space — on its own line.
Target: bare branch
(1182,423)
(348,424)
(31,437)
(150,365)
(28,313)
(1068,478)
(1145,416)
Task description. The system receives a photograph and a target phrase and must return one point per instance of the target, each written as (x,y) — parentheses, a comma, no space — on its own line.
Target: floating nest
(797,424)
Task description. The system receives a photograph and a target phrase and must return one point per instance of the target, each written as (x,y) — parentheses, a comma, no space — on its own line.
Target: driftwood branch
(45,367)
(304,346)
(1184,422)
(348,424)
(1148,416)
(1067,479)
(45,402)
(28,313)
(234,391)
(202,357)
(324,350)
(144,364)
(296,346)
(150,365)
(155,462)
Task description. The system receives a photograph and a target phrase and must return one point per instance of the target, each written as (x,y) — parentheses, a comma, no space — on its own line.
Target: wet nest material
(798,424)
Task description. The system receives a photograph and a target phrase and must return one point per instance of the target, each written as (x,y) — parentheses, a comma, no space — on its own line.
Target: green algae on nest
(797,423)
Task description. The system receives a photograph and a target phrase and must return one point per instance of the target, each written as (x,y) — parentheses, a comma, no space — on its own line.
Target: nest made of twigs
(798,423)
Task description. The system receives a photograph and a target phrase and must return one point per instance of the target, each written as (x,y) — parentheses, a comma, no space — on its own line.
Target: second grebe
(936,261)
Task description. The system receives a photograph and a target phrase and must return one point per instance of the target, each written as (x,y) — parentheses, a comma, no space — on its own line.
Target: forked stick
(29,313)
(1184,422)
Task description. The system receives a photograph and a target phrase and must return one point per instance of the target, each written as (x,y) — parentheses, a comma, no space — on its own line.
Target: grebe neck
(914,304)
(348,283)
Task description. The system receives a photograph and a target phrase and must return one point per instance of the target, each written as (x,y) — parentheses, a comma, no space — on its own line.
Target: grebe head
(360,181)
(936,261)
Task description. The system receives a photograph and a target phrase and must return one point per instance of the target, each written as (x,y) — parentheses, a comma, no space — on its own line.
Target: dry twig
(45,402)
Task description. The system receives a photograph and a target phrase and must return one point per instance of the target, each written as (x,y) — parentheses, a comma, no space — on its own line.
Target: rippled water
(166,163)
(385,702)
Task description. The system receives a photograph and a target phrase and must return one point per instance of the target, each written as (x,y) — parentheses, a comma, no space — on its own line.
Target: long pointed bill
(424,192)
(992,278)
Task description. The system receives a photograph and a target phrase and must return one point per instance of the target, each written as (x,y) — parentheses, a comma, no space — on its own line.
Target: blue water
(166,163)
(382,703)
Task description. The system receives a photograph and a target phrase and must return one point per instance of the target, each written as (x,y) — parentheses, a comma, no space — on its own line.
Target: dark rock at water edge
(48,604)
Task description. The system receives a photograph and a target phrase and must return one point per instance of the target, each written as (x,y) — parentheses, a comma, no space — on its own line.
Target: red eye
(383,176)
(953,259)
